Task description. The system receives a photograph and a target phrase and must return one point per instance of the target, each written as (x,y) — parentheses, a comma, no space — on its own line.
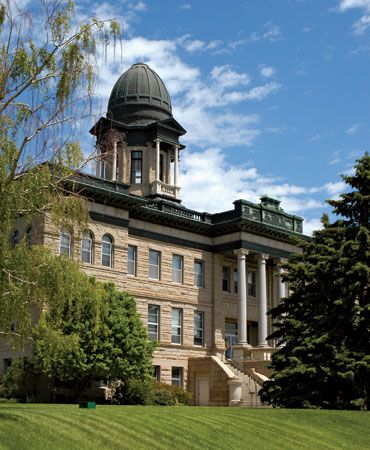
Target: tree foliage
(48,64)
(324,325)
(94,334)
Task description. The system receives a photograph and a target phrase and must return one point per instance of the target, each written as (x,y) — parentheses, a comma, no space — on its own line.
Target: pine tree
(324,325)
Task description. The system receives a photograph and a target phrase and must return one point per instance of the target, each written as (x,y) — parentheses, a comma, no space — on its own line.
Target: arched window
(65,243)
(15,238)
(86,247)
(106,251)
(29,237)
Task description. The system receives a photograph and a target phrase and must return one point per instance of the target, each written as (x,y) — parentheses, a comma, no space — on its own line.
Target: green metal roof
(139,96)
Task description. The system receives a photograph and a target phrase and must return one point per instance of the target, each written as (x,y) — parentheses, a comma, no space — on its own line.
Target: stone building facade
(202,282)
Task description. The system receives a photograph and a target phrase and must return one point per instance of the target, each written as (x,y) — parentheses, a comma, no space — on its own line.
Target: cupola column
(176,166)
(157,158)
(114,161)
(98,160)
(262,300)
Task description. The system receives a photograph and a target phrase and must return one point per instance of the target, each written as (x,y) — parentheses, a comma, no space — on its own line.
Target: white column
(176,165)
(280,284)
(157,158)
(98,160)
(262,300)
(114,161)
(242,295)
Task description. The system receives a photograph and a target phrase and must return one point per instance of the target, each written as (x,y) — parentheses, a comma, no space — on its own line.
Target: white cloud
(185,6)
(311,225)
(349,4)
(363,23)
(353,129)
(267,71)
(195,45)
(335,189)
(222,183)
(140,6)
(270,32)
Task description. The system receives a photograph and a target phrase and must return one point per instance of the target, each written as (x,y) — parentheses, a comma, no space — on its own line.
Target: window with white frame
(177,376)
(225,278)
(177,268)
(65,243)
(153,322)
(252,284)
(86,247)
(136,167)
(198,328)
(198,273)
(131,260)
(176,326)
(106,251)
(154,264)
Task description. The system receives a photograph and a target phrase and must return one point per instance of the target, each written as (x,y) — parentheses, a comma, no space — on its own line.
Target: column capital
(279,261)
(241,252)
(262,256)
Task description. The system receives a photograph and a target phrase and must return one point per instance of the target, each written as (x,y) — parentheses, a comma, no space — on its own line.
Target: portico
(243,351)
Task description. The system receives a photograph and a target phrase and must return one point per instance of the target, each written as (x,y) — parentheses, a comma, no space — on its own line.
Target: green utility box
(88,405)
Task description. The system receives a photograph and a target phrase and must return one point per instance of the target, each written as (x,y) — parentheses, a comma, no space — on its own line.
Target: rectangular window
(177,376)
(177,268)
(154,264)
(198,327)
(136,167)
(252,284)
(235,281)
(176,326)
(65,243)
(225,279)
(131,260)
(157,373)
(198,273)
(153,322)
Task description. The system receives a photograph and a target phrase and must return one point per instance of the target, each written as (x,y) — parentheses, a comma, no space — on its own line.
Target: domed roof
(139,97)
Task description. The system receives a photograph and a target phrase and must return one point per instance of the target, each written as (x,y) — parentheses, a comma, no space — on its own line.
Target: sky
(274,94)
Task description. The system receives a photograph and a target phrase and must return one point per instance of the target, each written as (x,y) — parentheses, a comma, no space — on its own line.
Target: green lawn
(128,427)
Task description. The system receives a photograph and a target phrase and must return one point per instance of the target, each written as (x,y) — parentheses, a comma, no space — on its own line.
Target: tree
(47,73)
(94,334)
(324,325)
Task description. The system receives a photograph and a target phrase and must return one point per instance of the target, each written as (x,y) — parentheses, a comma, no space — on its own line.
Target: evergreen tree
(324,325)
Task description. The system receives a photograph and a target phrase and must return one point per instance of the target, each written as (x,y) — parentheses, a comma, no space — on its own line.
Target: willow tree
(48,68)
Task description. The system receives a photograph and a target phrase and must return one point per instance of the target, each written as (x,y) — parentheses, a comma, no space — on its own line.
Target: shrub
(139,392)
(167,394)
(132,392)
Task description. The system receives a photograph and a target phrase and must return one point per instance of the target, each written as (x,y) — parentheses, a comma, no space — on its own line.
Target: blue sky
(274,93)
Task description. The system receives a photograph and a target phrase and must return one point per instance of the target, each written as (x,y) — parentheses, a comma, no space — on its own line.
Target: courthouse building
(202,282)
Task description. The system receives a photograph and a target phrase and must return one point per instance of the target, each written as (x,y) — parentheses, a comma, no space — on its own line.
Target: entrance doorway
(231,336)
(202,391)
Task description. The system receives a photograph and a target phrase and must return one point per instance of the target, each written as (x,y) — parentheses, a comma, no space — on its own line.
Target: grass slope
(128,427)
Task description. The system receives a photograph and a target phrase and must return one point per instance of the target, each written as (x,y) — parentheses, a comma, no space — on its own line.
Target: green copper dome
(139,97)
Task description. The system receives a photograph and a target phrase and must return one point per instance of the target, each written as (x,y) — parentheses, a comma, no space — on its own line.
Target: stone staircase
(251,385)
